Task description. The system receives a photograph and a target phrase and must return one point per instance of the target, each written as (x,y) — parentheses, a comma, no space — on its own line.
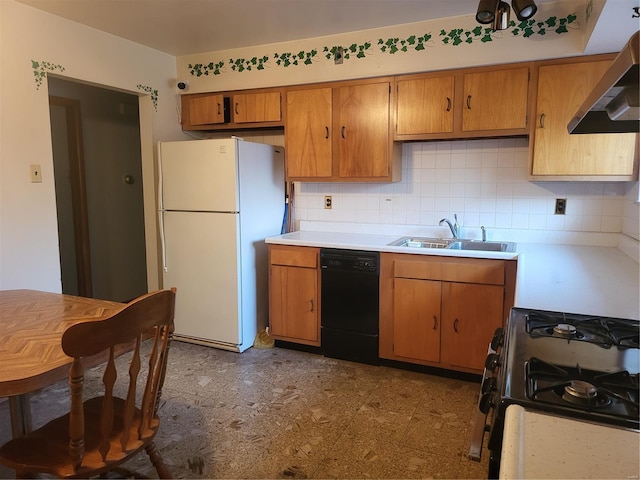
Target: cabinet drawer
(467,270)
(294,256)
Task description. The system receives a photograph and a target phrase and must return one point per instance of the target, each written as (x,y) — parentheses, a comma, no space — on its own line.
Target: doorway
(99,197)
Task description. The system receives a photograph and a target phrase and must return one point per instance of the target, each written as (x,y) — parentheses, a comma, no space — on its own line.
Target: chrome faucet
(455,228)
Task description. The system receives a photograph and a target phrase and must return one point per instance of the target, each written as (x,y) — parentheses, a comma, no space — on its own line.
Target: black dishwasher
(349,313)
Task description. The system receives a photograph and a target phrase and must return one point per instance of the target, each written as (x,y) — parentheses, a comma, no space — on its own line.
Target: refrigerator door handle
(161,210)
(163,246)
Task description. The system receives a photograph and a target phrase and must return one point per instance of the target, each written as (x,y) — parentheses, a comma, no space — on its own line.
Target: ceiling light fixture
(486,11)
(497,12)
(524,9)
(501,20)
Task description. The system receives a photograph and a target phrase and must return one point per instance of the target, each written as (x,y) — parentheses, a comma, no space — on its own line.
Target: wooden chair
(99,434)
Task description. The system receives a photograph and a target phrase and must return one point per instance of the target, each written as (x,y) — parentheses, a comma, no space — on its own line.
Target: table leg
(20,410)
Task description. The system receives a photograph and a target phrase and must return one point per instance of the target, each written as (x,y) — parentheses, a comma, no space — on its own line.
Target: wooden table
(31,356)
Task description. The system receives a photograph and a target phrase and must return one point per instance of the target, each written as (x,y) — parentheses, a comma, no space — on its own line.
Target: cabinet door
(308,133)
(293,311)
(256,107)
(470,315)
(361,140)
(416,319)
(495,100)
(425,106)
(206,110)
(561,91)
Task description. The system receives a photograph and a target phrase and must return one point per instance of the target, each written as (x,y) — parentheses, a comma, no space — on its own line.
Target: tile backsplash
(483,181)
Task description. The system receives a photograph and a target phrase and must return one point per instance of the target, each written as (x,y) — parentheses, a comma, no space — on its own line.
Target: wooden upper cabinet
(425,105)
(362,124)
(557,155)
(256,107)
(495,100)
(233,110)
(206,110)
(340,132)
(308,135)
(467,103)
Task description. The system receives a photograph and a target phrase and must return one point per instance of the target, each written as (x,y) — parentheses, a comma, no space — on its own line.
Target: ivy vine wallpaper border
(391,46)
(151,91)
(40,69)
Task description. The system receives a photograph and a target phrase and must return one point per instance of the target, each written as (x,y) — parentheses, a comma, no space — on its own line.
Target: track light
(501,20)
(524,9)
(486,11)
(497,12)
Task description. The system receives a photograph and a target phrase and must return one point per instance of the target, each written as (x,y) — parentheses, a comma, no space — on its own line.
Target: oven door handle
(480,423)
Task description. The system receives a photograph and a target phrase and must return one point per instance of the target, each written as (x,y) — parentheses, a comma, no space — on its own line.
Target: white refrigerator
(219,200)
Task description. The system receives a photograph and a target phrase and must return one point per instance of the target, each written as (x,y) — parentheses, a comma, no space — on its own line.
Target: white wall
(505,47)
(28,228)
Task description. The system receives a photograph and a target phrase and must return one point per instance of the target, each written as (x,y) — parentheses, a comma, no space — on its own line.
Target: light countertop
(588,279)
(575,449)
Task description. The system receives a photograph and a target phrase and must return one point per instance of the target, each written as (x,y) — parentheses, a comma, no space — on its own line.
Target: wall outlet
(327,201)
(561,206)
(36,174)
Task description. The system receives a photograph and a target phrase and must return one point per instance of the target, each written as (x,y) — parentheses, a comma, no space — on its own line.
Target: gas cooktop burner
(614,395)
(564,329)
(605,332)
(581,389)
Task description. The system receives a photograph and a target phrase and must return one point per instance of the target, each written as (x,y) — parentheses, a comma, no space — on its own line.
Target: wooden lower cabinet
(416,319)
(470,315)
(442,311)
(293,294)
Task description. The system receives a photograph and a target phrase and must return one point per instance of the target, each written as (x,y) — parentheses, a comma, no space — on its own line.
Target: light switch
(36,174)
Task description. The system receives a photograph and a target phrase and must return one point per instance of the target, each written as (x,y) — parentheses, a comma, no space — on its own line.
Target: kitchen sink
(421,242)
(454,244)
(483,246)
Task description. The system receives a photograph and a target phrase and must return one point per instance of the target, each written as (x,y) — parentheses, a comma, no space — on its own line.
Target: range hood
(612,106)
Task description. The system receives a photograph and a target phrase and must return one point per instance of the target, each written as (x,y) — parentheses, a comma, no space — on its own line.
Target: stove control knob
(486,403)
(488,385)
(496,341)
(492,361)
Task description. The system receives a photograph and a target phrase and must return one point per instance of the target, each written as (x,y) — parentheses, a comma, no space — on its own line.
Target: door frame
(75,148)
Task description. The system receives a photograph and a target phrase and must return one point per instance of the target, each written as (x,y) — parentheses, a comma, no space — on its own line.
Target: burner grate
(614,394)
(605,332)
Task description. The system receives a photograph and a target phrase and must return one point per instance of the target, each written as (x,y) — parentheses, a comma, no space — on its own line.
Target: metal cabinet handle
(455,325)
(542,120)
(219,108)
(342,131)
(448,104)
(235,108)
(435,322)
(311,301)
(326,132)
(469,102)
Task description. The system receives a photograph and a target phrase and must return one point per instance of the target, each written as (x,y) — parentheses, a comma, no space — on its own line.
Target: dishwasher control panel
(349,260)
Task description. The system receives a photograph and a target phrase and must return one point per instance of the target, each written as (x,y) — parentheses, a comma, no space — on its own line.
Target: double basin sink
(454,244)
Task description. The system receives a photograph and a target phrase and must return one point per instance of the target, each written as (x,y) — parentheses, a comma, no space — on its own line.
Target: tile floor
(280,413)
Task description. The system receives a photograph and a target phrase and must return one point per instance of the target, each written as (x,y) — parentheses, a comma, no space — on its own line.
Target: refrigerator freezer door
(199,175)
(202,262)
